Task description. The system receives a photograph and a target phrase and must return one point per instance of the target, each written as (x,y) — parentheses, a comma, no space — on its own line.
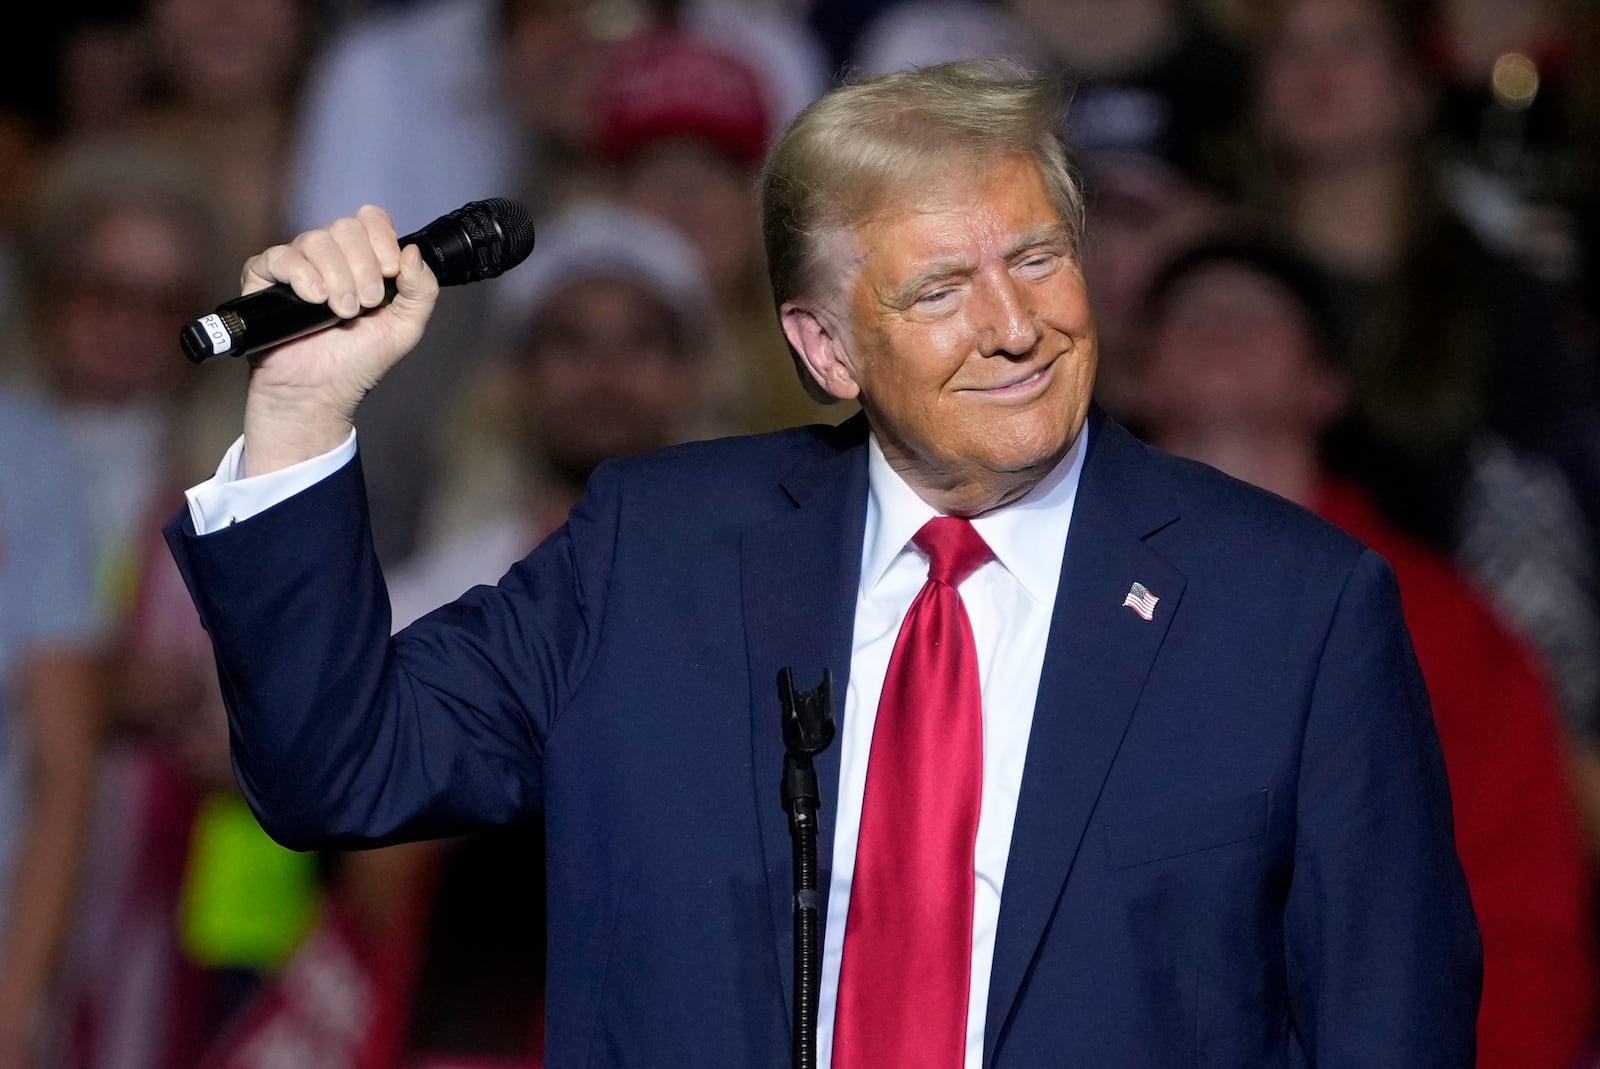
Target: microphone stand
(807,731)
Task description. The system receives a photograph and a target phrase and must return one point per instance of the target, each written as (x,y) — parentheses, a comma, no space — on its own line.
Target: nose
(1005,323)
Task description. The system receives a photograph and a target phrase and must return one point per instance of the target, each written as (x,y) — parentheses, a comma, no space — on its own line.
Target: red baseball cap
(665,85)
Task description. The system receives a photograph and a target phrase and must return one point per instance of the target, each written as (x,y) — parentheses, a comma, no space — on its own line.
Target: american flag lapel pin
(1141,601)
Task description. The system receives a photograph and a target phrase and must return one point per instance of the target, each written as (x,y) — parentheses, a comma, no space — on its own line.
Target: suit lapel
(1096,660)
(800,574)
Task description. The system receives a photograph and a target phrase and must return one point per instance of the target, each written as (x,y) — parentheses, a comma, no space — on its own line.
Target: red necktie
(907,966)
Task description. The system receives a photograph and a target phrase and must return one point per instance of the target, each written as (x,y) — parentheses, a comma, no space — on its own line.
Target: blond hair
(860,144)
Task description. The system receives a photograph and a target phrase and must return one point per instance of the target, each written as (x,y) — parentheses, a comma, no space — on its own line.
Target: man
(1174,796)
(681,125)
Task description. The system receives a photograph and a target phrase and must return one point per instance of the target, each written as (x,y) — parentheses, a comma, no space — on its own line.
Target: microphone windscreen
(479,240)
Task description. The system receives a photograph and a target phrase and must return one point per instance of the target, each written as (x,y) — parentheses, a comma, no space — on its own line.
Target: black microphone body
(476,241)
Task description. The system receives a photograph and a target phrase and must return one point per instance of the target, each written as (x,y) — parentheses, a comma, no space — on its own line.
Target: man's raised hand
(303,394)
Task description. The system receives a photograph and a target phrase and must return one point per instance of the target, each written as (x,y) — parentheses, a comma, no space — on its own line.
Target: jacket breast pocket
(1187,830)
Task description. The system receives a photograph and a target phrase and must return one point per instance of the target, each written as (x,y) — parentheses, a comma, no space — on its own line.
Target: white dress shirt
(1009,602)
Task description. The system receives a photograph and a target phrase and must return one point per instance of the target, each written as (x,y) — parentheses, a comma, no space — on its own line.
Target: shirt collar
(1028,536)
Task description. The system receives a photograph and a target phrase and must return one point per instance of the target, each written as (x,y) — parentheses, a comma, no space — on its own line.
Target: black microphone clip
(808,729)
(807,714)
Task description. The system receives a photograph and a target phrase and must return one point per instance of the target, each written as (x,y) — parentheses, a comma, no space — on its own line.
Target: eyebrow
(1049,234)
(905,294)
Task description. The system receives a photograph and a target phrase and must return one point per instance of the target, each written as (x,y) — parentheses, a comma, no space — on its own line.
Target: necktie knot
(954,547)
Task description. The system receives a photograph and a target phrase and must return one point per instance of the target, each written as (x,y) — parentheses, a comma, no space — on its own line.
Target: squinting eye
(1041,262)
(935,297)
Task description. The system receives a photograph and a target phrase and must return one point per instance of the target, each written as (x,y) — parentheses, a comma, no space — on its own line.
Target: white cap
(604,240)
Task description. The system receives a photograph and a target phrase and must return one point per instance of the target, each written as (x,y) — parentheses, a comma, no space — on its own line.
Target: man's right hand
(303,394)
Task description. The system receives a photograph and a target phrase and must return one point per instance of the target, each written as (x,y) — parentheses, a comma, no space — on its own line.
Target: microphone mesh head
(479,240)
(514,231)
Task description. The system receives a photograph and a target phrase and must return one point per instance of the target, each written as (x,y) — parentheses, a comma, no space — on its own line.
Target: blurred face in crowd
(705,197)
(1231,350)
(551,56)
(607,372)
(965,332)
(228,54)
(1335,84)
(103,73)
(1141,212)
(110,323)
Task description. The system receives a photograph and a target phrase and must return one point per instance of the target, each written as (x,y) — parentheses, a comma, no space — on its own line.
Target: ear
(822,348)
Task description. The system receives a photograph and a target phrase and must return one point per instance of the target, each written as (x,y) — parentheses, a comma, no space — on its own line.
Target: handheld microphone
(479,240)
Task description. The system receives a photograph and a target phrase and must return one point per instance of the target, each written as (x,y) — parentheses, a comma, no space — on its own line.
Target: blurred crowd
(1348,250)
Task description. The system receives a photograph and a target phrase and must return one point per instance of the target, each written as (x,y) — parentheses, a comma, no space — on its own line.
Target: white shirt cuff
(227,497)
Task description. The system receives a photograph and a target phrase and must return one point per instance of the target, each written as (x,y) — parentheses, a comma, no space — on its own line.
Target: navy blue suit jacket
(1233,846)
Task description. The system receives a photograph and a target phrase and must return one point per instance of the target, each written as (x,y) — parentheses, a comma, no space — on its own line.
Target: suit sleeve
(343,736)
(1383,955)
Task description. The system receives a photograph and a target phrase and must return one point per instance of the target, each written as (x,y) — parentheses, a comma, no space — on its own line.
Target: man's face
(1334,84)
(133,283)
(605,375)
(969,336)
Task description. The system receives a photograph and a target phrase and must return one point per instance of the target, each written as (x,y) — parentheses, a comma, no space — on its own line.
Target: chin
(1026,451)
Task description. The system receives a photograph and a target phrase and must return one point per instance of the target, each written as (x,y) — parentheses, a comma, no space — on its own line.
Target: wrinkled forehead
(991,201)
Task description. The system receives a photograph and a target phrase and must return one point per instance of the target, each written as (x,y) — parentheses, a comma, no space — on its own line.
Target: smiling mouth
(1023,387)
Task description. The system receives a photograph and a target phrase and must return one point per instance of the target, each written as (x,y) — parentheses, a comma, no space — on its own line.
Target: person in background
(1191,78)
(226,76)
(1467,397)
(186,903)
(50,713)
(774,39)
(606,345)
(422,108)
(683,124)
(1241,373)
(124,243)
(425,106)
(1149,195)
(1449,339)
(70,71)
(94,333)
